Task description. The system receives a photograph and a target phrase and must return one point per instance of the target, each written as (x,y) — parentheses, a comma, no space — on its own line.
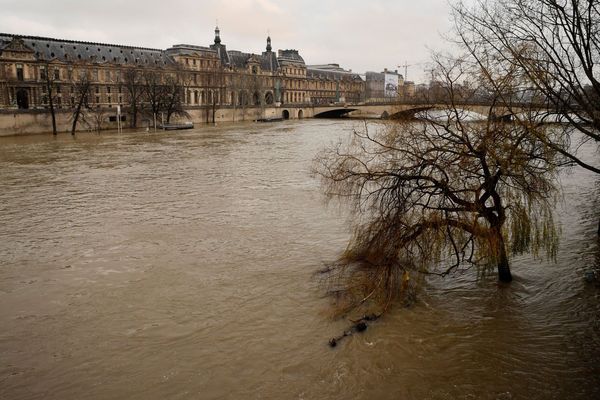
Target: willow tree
(442,194)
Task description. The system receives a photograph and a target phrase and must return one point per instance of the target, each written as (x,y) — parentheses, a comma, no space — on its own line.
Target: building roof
(290,55)
(267,60)
(72,50)
(331,72)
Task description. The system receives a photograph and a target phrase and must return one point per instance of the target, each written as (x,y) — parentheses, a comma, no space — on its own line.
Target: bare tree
(81,87)
(434,196)
(154,92)
(216,81)
(50,80)
(133,81)
(174,95)
(555,44)
(241,84)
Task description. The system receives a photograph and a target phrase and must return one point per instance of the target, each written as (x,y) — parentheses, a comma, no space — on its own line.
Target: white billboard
(391,85)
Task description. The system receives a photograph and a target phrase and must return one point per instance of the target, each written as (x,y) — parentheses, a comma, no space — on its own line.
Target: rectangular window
(43,73)
(112,118)
(56,74)
(20,76)
(108,89)
(95,75)
(97,99)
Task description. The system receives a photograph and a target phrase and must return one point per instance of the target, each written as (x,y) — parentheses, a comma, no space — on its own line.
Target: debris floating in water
(360,325)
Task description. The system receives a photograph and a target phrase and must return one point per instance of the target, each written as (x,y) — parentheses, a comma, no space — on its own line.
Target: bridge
(395,110)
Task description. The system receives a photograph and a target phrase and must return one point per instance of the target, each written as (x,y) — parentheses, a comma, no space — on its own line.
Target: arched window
(256,99)
(269,98)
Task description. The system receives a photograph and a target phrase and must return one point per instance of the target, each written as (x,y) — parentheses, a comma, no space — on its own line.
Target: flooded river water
(179,265)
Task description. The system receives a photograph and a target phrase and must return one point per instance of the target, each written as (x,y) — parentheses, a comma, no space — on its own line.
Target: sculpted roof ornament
(217,35)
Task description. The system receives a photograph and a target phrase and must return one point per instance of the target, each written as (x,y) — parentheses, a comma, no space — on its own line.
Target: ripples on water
(178,265)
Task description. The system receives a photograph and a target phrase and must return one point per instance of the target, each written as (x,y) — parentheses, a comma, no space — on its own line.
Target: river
(179,265)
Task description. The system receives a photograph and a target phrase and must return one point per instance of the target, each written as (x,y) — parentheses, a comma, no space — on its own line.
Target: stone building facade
(375,85)
(37,73)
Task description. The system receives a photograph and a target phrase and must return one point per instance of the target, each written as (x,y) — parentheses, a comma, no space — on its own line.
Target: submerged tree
(434,196)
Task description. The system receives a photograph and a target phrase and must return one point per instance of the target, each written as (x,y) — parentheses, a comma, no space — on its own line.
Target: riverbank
(35,122)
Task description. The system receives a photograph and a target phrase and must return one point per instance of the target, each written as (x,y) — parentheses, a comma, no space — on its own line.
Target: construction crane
(405,66)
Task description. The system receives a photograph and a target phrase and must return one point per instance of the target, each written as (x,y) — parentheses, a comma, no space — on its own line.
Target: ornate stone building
(214,83)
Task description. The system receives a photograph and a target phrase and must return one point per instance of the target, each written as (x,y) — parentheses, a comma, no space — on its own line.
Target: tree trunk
(75,118)
(51,101)
(54,131)
(53,114)
(214,111)
(504,274)
(134,115)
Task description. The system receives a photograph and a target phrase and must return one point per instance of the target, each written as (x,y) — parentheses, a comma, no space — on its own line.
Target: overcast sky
(362,35)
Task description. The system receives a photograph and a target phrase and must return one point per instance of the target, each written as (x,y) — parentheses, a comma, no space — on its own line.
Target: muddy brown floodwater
(179,265)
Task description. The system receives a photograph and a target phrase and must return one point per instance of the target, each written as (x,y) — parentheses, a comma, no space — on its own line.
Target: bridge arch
(300,114)
(285,114)
(335,113)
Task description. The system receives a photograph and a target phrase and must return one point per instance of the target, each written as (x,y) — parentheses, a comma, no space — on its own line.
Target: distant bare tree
(217,82)
(154,91)
(133,81)
(50,81)
(174,95)
(81,87)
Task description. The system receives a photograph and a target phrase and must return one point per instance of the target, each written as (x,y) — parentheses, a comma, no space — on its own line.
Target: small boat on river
(269,119)
(175,126)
